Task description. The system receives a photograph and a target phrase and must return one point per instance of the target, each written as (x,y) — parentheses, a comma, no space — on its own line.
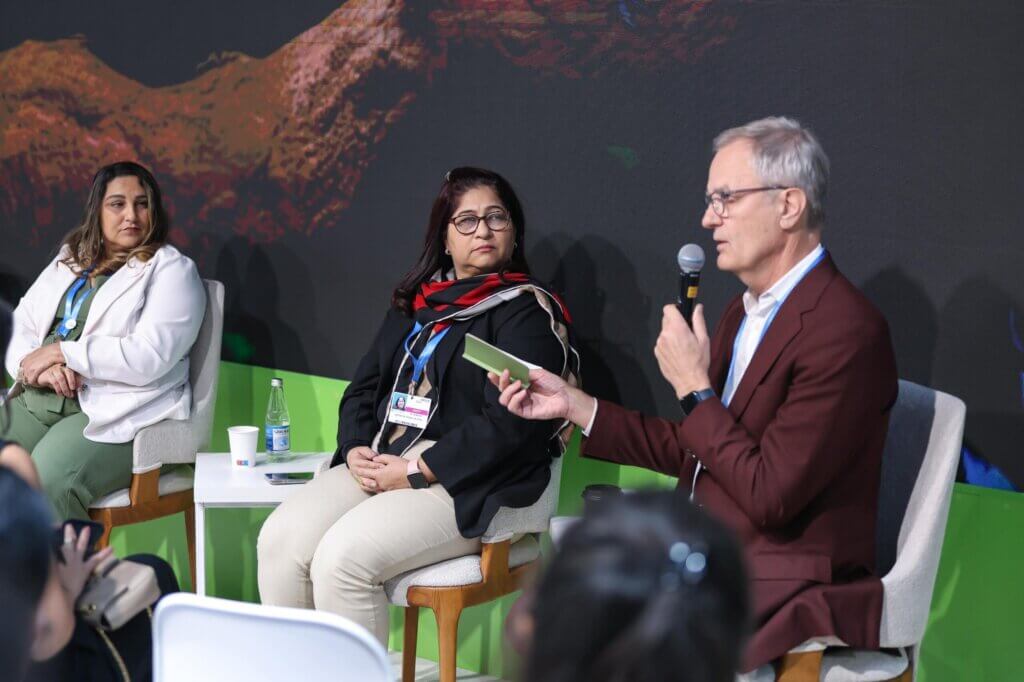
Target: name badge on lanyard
(409,409)
(71,308)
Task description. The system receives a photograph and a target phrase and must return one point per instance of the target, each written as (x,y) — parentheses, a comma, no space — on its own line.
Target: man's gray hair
(786,153)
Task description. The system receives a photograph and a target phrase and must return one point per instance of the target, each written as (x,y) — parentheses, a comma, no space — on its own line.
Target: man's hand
(40,360)
(61,379)
(548,397)
(361,465)
(392,473)
(684,355)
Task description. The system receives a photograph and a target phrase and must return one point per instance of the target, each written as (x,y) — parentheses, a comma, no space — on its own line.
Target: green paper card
(494,359)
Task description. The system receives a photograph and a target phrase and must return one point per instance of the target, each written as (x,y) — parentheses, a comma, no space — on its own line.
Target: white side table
(218,483)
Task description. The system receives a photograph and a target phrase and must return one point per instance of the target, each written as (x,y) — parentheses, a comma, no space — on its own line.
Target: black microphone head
(690,258)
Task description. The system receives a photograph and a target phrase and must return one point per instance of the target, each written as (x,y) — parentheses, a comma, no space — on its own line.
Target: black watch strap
(690,401)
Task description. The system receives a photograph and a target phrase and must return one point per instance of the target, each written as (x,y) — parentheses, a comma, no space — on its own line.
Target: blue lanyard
(764,330)
(418,363)
(70,320)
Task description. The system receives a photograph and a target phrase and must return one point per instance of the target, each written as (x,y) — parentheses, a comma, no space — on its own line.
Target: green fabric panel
(974,628)
(973,632)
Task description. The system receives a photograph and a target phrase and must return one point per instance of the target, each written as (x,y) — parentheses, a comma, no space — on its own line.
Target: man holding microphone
(783,413)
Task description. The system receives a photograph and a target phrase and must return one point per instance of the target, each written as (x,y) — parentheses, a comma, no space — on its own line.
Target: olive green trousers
(73,469)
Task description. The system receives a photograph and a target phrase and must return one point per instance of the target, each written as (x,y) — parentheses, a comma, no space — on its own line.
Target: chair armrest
(908,588)
(171,441)
(510,521)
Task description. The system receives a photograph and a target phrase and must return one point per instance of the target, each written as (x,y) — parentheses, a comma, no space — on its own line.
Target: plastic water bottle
(278,425)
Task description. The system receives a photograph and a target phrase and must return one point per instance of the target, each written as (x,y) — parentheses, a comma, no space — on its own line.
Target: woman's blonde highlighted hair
(85,242)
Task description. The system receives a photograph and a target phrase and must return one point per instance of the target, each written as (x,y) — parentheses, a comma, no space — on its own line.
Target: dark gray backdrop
(914,102)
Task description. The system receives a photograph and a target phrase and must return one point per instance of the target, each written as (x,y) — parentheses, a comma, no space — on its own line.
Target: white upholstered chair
(205,638)
(919,466)
(450,586)
(153,494)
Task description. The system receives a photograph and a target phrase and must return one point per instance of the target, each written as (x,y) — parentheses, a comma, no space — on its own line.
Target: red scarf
(436,300)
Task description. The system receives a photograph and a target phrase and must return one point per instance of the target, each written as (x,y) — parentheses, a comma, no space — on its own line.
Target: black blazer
(485,457)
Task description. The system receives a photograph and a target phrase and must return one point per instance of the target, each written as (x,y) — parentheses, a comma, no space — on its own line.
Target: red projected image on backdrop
(263,147)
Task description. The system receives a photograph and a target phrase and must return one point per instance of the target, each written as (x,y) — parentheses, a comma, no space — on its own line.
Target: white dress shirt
(759,310)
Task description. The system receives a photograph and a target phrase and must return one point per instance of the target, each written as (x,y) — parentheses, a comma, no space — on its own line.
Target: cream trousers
(331,546)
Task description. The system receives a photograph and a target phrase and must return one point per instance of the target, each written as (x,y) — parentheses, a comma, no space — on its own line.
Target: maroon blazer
(792,465)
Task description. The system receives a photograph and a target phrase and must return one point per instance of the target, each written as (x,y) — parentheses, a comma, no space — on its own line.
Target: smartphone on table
(289,478)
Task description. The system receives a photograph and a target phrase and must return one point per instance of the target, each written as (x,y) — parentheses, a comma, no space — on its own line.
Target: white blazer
(133,351)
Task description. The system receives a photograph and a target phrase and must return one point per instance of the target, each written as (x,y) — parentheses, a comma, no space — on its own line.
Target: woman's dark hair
(457,182)
(645,587)
(25,553)
(86,240)
(6,327)
(25,548)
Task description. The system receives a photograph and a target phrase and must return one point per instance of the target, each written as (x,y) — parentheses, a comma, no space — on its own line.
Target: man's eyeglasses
(719,201)
(496,222)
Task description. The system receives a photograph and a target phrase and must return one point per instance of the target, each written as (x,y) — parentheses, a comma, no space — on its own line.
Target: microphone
(691,260)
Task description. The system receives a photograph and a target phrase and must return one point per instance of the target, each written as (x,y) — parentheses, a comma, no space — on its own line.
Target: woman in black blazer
(426,454)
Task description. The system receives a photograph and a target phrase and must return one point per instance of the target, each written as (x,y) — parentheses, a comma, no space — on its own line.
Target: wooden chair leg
(190,539)
(447,613)
(412,621)
(802,667)
(104,540)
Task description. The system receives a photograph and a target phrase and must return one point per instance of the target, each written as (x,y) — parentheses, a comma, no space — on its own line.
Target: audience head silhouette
(25,535)
(645,587)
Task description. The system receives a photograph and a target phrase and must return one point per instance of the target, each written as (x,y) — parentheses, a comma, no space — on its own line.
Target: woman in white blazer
(101,340)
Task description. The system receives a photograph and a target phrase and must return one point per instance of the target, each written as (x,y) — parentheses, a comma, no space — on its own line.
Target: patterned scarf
(448,300)
(440,303)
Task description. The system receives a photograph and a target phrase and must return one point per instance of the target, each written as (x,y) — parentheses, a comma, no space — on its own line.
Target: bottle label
(278,438)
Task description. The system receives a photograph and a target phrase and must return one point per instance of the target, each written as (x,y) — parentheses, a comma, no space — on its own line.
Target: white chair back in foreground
(205,638)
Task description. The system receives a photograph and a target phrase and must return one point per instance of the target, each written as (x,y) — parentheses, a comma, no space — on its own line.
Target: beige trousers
(331,546)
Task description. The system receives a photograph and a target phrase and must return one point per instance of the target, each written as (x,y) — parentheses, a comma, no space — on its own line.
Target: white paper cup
(243,445)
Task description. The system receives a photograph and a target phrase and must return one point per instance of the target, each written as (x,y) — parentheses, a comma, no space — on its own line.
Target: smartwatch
(690,401)
(417,479)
